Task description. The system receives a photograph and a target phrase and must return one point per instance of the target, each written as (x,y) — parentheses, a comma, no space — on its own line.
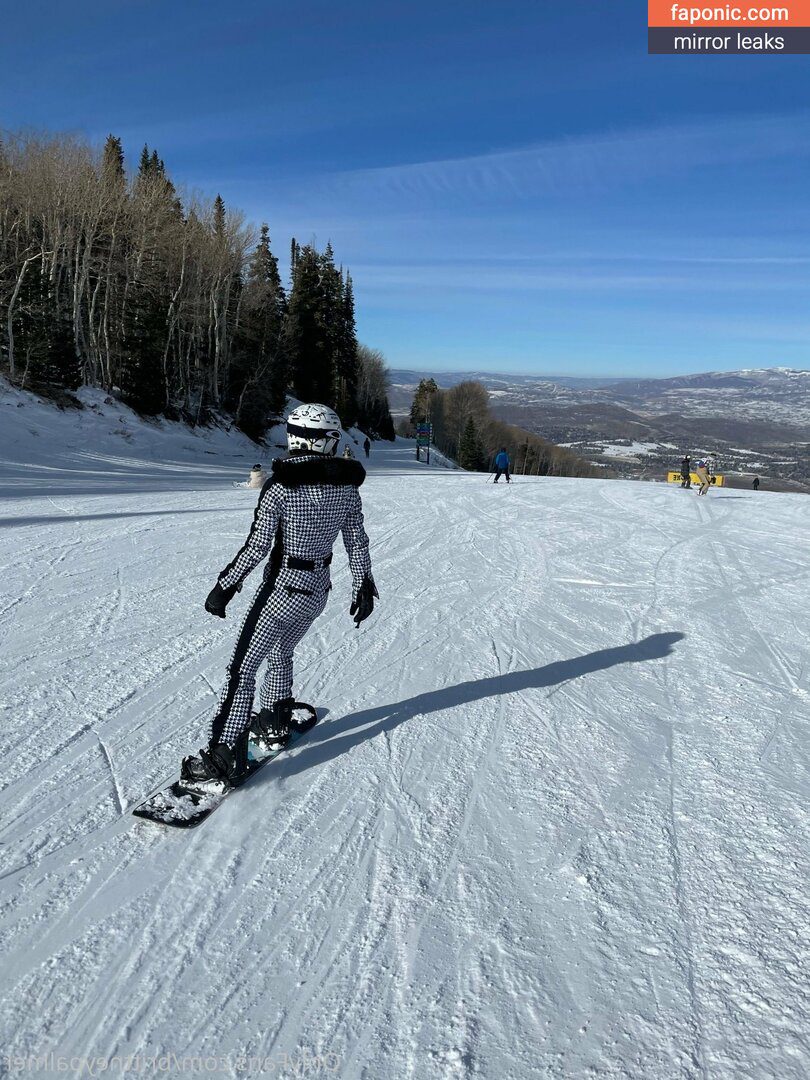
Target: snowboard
(181,809)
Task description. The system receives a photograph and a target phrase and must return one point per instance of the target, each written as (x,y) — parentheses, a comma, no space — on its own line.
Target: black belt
(292,562)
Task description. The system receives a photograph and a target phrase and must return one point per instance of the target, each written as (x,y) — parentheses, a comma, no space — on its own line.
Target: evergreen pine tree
(258,379)
(113,176)
(379,422)
(307,340)
(295,250)
(219,216)
(471,455)
(345,353)
(422,399)
(141,373)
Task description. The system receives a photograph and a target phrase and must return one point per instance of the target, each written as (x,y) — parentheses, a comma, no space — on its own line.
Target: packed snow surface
(554,823)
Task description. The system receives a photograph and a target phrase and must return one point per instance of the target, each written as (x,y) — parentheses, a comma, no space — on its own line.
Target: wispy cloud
(590,162)
(503,278)
(653,257)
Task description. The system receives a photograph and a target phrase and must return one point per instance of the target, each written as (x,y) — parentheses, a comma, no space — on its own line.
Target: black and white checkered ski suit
(303,506)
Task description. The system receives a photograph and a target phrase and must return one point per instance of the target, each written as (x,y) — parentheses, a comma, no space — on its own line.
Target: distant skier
(702,472)
(367,446)
(686,472)
(755,484)
(347,453)
(502,465)
(258,477)
(309,499)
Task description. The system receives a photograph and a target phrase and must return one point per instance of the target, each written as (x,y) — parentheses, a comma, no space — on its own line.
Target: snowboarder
(702,471)
(308,500)
(367,446)
(755,484)
(347,453)
(686,472)
(502,465)
(258,477)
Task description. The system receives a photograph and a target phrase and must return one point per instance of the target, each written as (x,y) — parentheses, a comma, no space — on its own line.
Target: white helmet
(314,428)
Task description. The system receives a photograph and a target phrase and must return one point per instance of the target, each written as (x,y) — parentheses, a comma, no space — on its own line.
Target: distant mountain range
(778,396)
(756,419)
(445,379)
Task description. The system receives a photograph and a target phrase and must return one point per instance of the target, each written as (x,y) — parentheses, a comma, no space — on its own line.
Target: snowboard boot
(217,768)
(272,727)
(304,716)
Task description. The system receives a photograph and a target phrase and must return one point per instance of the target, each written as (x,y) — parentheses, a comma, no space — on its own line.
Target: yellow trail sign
(715,481)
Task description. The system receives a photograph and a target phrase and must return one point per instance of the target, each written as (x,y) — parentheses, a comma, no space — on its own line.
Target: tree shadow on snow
(67,518)
(344,733)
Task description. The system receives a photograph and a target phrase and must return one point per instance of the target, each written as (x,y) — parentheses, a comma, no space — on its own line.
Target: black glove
(219,598)
(363,603)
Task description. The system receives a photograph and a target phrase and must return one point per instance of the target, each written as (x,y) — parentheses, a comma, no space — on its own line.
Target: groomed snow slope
(554,824)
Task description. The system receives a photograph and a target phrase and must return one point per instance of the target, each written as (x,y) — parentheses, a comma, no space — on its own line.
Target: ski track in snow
(554,823)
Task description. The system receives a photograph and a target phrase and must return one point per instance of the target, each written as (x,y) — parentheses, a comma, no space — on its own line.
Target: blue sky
(514,188)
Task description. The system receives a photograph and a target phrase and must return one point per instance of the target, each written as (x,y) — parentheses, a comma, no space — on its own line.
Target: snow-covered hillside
(553,825)
(105,446)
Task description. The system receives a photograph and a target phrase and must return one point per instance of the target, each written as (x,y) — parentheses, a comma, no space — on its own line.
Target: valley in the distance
(757,421)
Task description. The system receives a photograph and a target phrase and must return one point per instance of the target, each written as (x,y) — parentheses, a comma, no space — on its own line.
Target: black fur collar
(341,472)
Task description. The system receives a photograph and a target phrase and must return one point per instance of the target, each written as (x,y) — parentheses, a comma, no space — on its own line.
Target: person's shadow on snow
(338,736)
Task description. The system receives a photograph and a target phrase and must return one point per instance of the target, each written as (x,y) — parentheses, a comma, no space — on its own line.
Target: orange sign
(731,16)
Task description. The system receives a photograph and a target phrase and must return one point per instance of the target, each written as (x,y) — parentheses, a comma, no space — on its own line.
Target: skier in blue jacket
(502,465)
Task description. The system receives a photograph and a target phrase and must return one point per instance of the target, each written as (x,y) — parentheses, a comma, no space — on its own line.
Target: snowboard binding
(272,728)
(216,769)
